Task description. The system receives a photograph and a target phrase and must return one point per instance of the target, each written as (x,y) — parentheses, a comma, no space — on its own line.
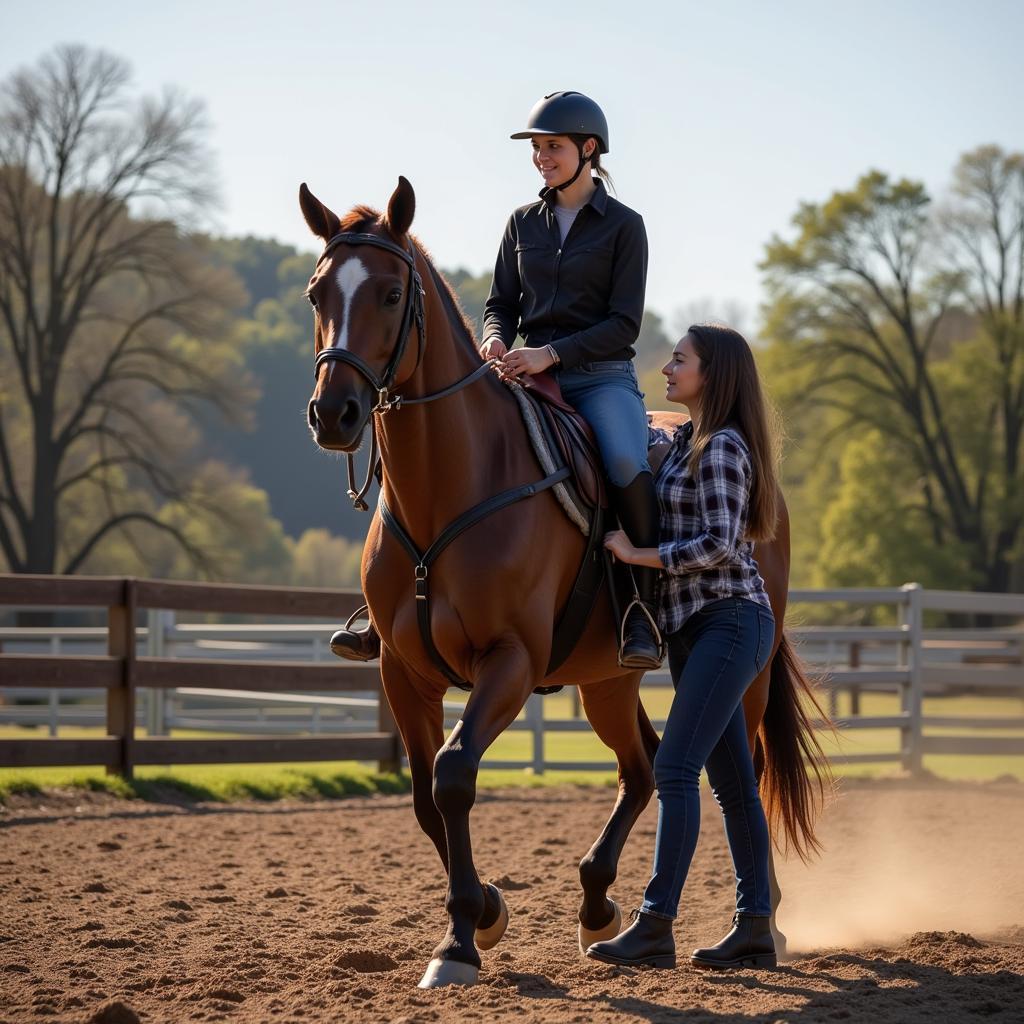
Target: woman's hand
(618,544)
(527,360)
(493,348)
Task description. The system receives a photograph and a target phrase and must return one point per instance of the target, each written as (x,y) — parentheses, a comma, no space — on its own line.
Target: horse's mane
(359,218)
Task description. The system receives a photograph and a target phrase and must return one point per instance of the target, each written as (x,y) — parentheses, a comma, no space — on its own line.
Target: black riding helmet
(567,113)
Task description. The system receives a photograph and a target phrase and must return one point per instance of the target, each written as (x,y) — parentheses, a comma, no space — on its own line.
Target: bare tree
(111,316)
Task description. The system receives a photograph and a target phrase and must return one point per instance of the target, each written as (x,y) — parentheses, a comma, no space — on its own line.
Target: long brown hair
(732,397)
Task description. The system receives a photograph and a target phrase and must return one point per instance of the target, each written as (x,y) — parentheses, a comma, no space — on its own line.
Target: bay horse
(393,350)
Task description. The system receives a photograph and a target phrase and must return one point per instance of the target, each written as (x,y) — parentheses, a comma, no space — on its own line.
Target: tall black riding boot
(356,644)
(637,508)
(749,944)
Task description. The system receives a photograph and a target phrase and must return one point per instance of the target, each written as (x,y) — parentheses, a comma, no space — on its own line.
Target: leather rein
(413,313)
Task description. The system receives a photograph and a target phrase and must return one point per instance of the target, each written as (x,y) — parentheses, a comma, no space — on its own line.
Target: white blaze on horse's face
(350,275)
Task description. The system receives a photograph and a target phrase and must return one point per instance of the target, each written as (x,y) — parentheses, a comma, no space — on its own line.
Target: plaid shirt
(703,522)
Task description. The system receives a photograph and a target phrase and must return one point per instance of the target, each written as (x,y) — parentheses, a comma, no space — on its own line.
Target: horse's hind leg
(502,683)
(612,708)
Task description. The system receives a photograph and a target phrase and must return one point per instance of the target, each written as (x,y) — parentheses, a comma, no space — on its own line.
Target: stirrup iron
(658,638)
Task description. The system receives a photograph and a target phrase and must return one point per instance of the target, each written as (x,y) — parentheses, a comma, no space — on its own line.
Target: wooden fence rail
(121,673)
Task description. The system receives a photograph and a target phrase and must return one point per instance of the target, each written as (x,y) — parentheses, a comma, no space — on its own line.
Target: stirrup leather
(658,638)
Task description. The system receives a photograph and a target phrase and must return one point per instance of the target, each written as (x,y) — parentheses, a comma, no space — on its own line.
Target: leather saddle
(569,438)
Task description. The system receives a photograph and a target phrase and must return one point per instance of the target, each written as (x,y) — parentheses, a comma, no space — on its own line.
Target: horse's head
(367,302)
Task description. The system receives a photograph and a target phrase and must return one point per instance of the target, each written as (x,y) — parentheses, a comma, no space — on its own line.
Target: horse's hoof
(488,938)
(609,931)
(448,972)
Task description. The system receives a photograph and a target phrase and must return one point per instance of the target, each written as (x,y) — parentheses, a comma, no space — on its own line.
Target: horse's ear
(401,209)
(322,221)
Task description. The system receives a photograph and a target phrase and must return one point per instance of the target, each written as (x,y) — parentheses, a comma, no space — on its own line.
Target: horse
(393,350)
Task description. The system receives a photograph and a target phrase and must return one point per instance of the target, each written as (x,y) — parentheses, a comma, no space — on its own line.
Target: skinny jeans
(607,396)
(713,658)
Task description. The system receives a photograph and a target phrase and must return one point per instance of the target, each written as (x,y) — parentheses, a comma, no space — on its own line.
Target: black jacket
(586,297)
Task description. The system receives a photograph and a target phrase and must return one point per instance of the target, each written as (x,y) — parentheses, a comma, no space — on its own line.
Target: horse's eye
(312,299)
(393,297)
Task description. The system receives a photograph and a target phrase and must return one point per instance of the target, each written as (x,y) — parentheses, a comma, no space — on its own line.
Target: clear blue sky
(723,117)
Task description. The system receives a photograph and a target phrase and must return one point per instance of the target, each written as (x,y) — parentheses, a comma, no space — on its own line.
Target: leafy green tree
(875,531)
(319,559)
(472,290)
(886,313)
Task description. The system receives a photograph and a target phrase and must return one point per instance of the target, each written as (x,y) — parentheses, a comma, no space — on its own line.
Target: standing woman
(717,493)
(570,278)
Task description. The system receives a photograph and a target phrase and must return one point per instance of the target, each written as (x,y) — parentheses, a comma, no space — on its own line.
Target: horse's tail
(796,770)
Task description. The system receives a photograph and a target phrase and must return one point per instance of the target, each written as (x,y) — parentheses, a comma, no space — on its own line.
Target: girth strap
(423,561)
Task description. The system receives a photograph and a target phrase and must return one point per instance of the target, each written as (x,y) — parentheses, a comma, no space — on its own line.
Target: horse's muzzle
(337,424)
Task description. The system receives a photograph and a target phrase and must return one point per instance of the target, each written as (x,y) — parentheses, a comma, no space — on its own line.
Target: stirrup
(658,638)
(357,615)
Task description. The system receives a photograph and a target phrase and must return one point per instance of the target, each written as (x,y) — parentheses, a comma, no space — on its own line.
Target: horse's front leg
(503,679)
(418,707)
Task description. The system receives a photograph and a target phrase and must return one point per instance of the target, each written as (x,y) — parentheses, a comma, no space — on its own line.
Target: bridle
(413,313)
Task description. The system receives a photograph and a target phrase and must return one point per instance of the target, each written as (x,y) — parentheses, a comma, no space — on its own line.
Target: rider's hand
(493,348)
(527,360)
(619,545)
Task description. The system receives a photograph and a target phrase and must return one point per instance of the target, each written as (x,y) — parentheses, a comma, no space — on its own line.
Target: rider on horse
(570,278)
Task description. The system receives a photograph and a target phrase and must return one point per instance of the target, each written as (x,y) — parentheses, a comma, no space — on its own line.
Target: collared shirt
(583,296)
(703,524)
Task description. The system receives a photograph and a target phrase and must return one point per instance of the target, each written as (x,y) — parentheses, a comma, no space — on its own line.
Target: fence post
(913,755)
(121,699)
(54,700)
(156,624)
(386,723)
(535,718)
(855,689)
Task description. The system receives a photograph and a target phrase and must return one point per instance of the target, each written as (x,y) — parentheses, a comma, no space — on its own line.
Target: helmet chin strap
(584,160)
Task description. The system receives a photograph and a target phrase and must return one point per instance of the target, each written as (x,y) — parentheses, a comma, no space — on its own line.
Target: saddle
(563,438)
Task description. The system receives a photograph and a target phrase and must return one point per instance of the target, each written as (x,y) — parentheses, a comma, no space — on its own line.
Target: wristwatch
(555,361)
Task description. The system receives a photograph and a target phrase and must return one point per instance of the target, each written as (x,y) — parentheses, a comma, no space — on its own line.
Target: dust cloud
(903,857)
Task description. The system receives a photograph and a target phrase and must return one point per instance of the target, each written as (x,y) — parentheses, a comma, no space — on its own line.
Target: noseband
(413,311)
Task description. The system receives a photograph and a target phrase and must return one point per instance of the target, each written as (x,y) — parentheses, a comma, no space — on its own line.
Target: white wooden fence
(905,658)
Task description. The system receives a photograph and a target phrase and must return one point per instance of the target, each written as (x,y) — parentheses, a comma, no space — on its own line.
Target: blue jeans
(608,398)
(713,658)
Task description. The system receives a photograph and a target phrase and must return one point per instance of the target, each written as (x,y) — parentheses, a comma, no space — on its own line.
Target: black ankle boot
(636,505)
(356,644)
(749,944)
(647,942)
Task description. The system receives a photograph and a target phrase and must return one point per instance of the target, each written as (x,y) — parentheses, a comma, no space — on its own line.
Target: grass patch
(337,780)
(212,783)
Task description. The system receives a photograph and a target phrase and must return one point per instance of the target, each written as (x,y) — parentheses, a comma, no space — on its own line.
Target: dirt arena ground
(117,912)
